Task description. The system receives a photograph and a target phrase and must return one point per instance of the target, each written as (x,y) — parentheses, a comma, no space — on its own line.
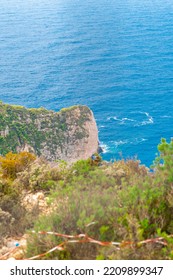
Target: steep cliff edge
(69,134)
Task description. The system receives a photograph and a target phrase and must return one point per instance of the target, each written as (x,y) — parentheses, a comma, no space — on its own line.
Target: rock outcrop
(70,134)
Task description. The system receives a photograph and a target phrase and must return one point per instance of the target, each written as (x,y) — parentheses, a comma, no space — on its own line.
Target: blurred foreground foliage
(119,201)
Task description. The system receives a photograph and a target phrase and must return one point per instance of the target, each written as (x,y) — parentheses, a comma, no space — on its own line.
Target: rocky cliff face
(69,135)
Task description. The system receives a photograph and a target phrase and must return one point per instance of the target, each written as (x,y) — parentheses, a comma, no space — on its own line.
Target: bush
(120,201)
(108,205)
(12,163)
(14,219)
(105,214)
(41,175)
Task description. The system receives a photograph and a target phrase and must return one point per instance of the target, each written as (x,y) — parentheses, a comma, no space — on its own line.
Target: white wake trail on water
(134,122)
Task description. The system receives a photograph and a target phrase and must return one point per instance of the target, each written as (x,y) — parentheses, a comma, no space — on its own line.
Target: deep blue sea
(116,56)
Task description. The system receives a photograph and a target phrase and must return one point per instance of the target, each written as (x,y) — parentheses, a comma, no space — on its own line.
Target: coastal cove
(86,146)
(114,57)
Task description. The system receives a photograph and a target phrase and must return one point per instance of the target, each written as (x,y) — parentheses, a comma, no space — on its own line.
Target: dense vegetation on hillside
(121,201)
(53,135)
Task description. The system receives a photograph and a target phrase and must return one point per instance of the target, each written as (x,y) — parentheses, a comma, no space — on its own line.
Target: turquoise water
(114,56)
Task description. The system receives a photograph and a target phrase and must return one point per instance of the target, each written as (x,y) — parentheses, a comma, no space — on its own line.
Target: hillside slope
(69,134)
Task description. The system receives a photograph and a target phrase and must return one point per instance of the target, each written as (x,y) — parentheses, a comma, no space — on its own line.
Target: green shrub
(112,202)
(121,201)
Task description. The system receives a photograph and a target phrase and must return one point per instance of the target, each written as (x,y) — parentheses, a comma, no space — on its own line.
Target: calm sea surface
(115,56)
